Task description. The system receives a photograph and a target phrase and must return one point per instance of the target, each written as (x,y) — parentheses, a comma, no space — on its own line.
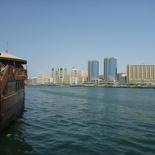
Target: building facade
(34,81)
(42,78)
(54,75)
(57,75)
(141,74)
(122,79)
(93,70)
(110,69)
(78,76)
(74,72)
(62,72)
(66,80)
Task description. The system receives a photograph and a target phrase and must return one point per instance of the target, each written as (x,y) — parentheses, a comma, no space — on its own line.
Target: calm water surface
(83,121)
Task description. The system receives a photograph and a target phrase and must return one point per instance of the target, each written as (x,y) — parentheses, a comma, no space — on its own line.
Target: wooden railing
(10,73)
(20,73)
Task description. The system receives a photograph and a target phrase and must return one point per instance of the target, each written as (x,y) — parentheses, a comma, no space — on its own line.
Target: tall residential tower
(93,70)
(110,69)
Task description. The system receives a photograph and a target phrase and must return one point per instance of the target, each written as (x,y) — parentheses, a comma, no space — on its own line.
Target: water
(83,121)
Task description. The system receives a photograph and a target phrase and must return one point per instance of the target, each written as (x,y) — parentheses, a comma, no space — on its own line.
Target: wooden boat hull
(12,88)
(13,106)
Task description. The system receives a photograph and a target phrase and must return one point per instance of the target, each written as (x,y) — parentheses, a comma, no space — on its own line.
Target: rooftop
(4,55)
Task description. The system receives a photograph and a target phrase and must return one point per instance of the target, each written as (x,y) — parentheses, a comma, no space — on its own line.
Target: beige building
(42,78)
(78,76)
(57,75)
(74,72)
(141,74)
(66,80)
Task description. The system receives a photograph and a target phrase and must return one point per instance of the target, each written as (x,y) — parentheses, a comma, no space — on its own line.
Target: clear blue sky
(67,33)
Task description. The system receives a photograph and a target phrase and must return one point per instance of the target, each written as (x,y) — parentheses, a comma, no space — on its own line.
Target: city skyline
(137,75)
(69,33)
(101,67)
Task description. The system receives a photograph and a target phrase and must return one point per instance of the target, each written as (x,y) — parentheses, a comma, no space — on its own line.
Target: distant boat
(12,87)
(52,84)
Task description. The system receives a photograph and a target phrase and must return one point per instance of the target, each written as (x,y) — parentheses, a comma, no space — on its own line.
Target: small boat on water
(13,74)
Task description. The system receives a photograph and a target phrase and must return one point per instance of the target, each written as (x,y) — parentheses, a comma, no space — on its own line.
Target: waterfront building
(42,78)
(74,76)
(66,80)
(62,72)
(28,81)
(110,69)
(78,76)
(34,81)
(73,80)
(83,76)
(54,75)
(57,75)
(83,73)
(122,78)
(31,81)
(140,74)
(74,72)
(93,70)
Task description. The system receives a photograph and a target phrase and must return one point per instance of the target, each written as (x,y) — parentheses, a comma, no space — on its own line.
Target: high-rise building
(54,75)
(93,70)
(110,69)
(140,74)
(61,73)
(58,74)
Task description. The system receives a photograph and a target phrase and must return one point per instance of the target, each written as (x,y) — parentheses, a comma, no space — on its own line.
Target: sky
(68,33)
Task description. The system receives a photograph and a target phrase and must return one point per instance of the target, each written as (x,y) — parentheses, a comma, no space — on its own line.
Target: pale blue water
(83,121)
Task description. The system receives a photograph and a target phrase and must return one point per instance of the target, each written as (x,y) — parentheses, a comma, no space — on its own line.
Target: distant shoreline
(99,86)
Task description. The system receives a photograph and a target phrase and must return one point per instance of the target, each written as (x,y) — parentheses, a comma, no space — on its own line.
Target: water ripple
(70,120)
